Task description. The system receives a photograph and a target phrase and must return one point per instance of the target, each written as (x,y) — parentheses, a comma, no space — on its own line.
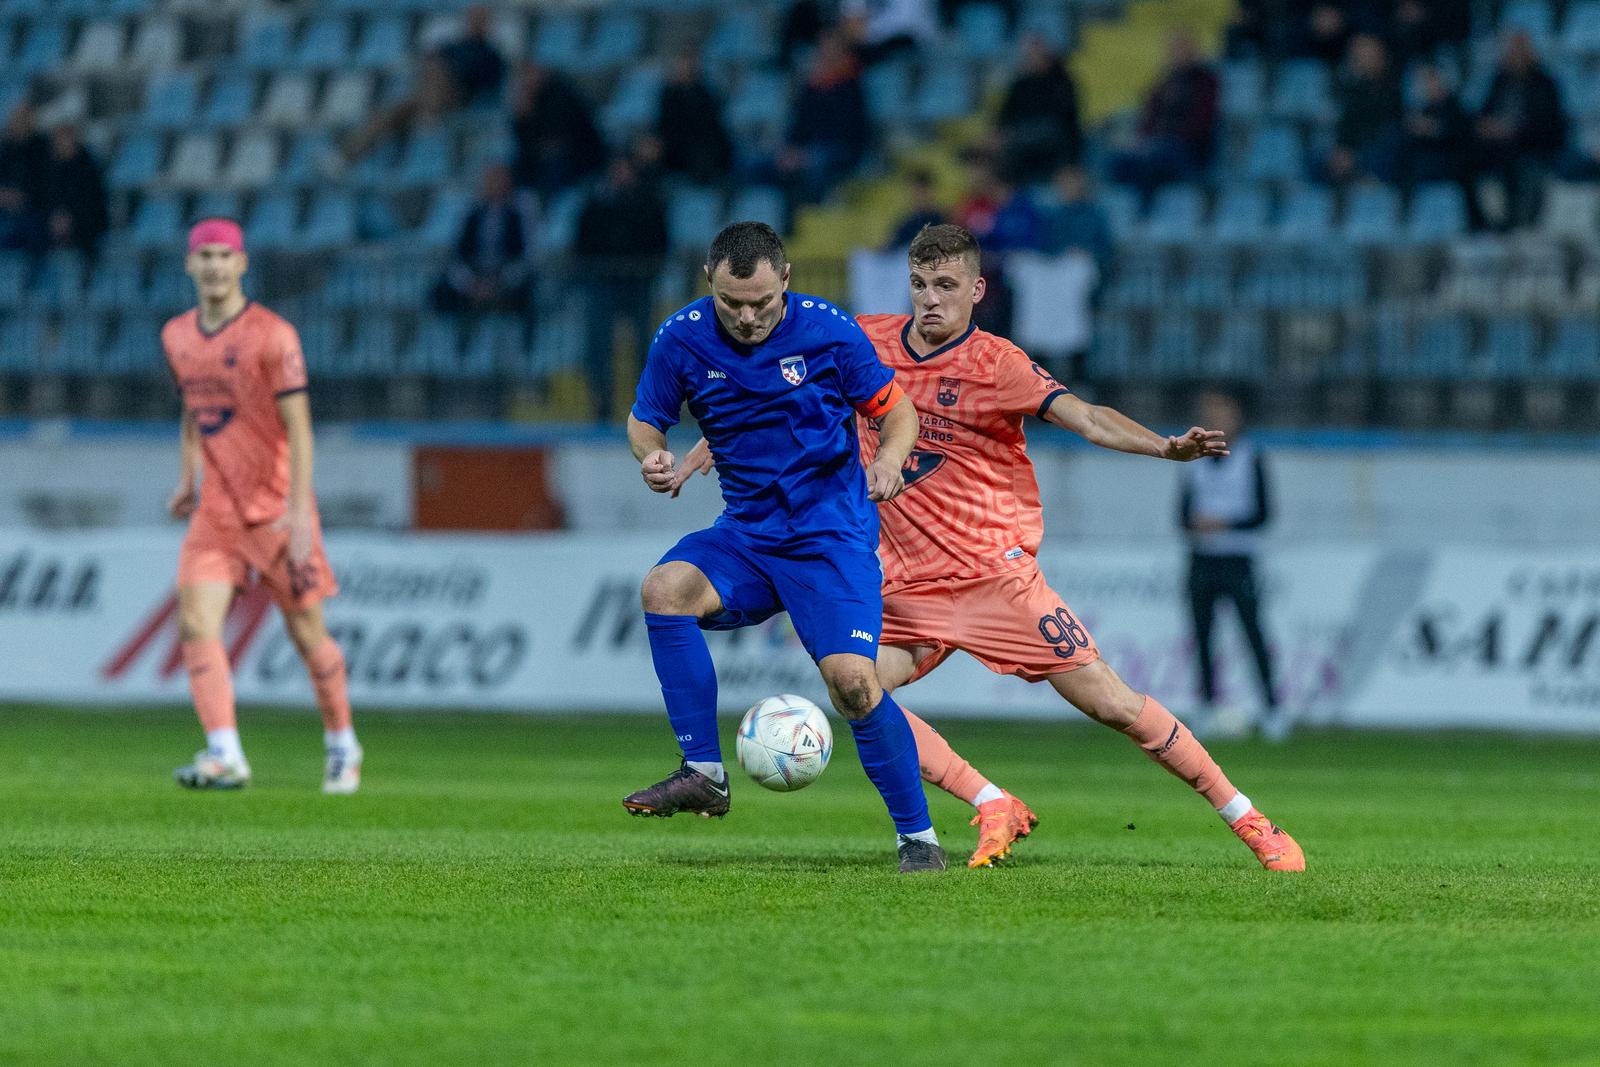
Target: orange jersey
(231,380)
(971,503)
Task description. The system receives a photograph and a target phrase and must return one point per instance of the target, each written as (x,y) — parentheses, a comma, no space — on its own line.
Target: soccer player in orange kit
(958,546)
(246,428)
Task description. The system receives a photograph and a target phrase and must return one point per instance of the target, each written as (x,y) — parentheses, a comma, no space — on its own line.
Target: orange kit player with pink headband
(958,545)
(246,430)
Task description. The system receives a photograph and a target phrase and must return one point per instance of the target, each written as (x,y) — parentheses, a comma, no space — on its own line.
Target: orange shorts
(221,548)
(1011,623)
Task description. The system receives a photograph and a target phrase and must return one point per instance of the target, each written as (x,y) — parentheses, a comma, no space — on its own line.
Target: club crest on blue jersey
(949,391)
(793,368)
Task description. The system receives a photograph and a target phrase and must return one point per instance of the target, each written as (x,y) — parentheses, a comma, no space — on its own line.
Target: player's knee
(194,626)
(306,630)
(854,690)
(674,589)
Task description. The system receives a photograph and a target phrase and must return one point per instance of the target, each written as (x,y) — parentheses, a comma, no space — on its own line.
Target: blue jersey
(779,417)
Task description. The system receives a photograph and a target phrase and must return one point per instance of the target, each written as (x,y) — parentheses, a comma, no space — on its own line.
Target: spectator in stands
(803,25)
(557,141)
(1004,219)
(1178,127)
(23,161)
(1418,28)
(925,211)
(1267,29)
(491,269)
(461,72)
(75,207)
(1367,133)
(1434,144)
(1324,32)
(1038,122)
(829,133)
(620,246)
(1520,131)
(694,141)
(1075,223)
(882,29)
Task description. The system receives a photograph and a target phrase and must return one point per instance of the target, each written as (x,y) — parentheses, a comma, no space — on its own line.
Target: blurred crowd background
(1355,212)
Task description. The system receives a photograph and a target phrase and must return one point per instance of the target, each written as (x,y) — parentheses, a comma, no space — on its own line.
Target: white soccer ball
(784,742)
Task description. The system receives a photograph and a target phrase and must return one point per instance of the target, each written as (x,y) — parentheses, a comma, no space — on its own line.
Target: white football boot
(341,773)
(210,771)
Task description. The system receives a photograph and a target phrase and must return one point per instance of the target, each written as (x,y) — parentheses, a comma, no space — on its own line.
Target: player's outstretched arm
(185,498)
(1110,428)
(649,446)
(897,433)
(295,411)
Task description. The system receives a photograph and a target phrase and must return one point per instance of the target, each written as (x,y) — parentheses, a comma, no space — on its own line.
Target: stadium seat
(1307,215)
(172,100)
(195,160)
(117,284)
(232,97)
(618,38)
(1438,214)
(272,223)
(493,145)
(14,270)
(981,30)
(1274,154)
(320,341)
(1208,285)
(134,347)
(1242,215)
(425,160)
(743,35)
(1580,31)
(1574,351)
(1301,91)
(386,43)
(1244,89)
(287,101)
(1112,356)
(157,43)
(1121,205)
(99,47)
(760,202)
(43,48)
(760,103)
(1441,347)
(633,105)
(1240,351)
(267,42)
(74,346)
(1139,280)
(22,338)
(1535,17)
(1047,20)
(435,349)
(946,93)
(305,159)
(559,39)
(325,45)
(1372,215)
(137,162)
(373,351)
(442,224)
(560,222)
(1175,346)
(169,290)
(331,223)
(493,348)
(347,99)
(219,203)
(1176,215)
(253,162)
(694,215)
(1510,343)
(1571,211)
(157,223)
(886,85)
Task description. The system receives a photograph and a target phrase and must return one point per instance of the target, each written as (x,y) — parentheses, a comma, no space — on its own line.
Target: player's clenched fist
(885,481)
(657,471)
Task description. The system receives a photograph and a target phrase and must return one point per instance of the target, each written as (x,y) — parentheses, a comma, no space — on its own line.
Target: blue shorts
(834,598)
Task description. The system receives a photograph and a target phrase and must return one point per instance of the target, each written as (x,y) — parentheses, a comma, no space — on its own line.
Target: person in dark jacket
(1435,132)
(24,153)
(557,142)
(1367,132)
(620,246)
(1178,127)
(829,133)
(491,269)
(76,210)
(1520,131)
(694,141)
(1224,503)
(1038,121)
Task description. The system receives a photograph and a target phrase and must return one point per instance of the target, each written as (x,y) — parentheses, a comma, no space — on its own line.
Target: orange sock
(941,765)
(326,665)
(1168,742)
(210,683)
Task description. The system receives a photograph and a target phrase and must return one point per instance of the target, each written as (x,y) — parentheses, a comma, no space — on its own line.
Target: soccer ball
(784,742)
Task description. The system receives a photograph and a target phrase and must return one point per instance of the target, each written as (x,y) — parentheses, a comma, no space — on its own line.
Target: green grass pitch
(485,900)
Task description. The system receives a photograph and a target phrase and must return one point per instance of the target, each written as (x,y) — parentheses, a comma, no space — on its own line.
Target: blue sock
(689,684)
(889,755)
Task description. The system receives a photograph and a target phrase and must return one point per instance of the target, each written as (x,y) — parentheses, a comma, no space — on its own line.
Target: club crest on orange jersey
(949,391)
(793,368)
(921,463)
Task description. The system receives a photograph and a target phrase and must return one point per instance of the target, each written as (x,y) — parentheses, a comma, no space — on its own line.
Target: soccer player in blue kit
(774,379)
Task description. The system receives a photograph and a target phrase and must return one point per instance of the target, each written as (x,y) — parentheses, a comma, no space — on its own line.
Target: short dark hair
(940,241)
(742,245)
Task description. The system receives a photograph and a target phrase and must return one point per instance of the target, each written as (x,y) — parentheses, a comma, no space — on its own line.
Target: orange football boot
(1001,823)
(1275,849)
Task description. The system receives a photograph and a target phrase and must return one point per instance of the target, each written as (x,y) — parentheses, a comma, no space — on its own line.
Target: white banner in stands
(553,623)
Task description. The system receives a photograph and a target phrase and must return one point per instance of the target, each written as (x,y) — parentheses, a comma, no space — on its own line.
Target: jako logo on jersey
(716,374)
(212,420)
(921,463)
(949,391)
(793,368)
(861,634)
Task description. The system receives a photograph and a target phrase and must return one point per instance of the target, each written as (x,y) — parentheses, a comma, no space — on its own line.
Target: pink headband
(216,232)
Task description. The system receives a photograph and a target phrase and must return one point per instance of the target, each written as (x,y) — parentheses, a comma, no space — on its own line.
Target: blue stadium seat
(886,85)
(325,45)
(1244,88)
(1580,32)
(946,93)
(743,35)
(1176,215)
(1441,347)
(1121,205)
(169,290)
(386,43)
(232,98)
(157,43)
(287,101)
(196,159)
(761,100)
(494,348)
(134,347)
(633,104)
(1372,215)
(559,39)
(172,100)
(1049,21)
(618,38)
(1307,215)
(760,202)
(1139,279)
(1274,154)
(1208,286)
(137,162)
(99,46)
(267,43)
(22,338)
(272,224)
(319,341)
(694,214)
(158,222)
(561,221)
(117,284)
(1510,345)
(305,158)
(376,219)
(426,159)
(331,223)
(1112,354)
(981,29)
(435,349)
(14,269)
(374,350)
(379,167)
(442,224)
(1240,351)
(347,100)
(217,204)
(1242,215)
(74,346)
(1536,17)
(253,162)
(42,50)
(1574,351)
(1175,345)
(1301,91)
(1438,214)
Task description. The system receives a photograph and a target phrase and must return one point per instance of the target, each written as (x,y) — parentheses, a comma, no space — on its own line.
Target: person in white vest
(1224,505)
